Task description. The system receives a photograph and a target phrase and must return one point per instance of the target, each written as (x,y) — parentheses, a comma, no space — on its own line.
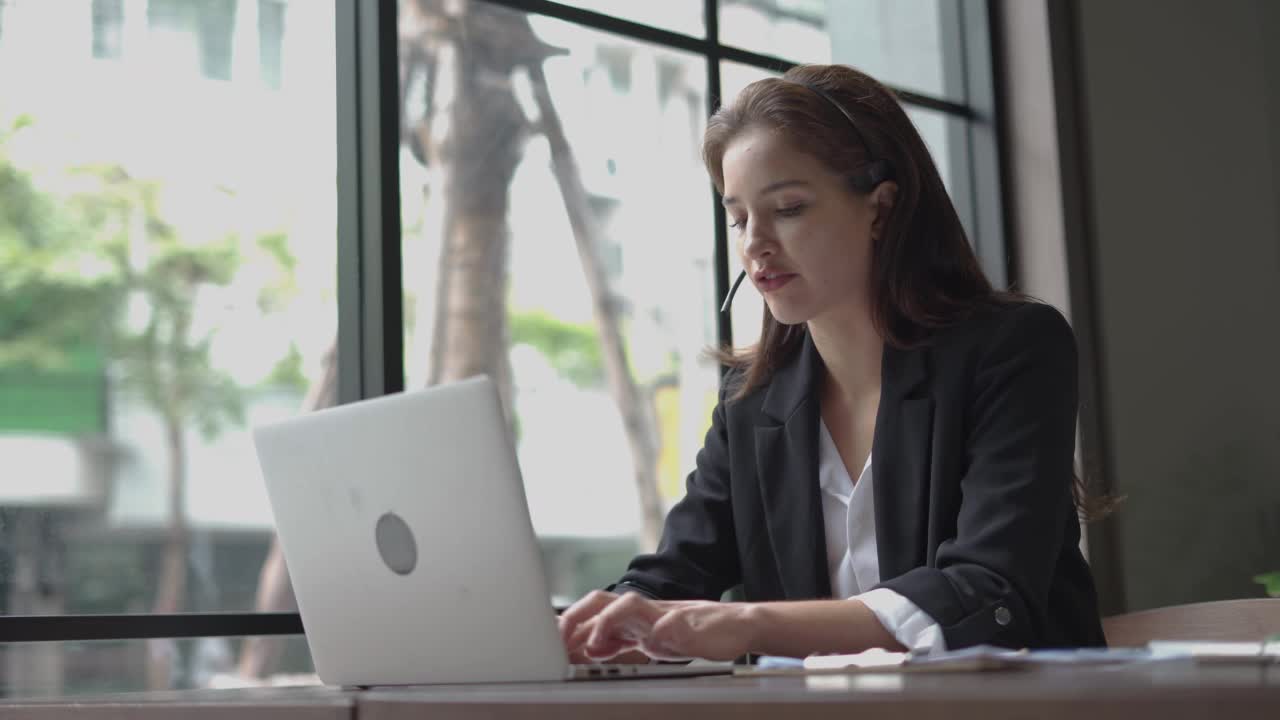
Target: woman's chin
(788,315)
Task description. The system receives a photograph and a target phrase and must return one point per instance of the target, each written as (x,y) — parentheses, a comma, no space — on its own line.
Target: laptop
(406,532)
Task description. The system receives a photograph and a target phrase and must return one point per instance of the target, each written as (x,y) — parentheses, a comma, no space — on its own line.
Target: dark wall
(1181,110)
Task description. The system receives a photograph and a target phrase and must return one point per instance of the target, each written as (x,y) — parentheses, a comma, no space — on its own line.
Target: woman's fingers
(580,612)
(621,626)
(578,625)
(714,631)
(629,631)
(630,627)
(668,639)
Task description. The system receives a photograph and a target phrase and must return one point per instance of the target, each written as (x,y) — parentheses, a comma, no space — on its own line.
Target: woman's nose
(756,243)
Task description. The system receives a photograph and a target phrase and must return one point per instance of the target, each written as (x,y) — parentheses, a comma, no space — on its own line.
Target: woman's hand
(576,625)
(630,628)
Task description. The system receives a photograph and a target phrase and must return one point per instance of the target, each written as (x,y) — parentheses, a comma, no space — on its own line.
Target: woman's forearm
(804,627)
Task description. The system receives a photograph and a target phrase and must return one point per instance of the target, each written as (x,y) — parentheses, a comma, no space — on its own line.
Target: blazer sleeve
(990,583)
(698,555)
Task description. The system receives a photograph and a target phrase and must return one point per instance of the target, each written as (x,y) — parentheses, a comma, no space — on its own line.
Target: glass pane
(167,233)
(682,16)
(31,671)
(935,129)
(736,76)
(910,44)
(942,134)
(501,278)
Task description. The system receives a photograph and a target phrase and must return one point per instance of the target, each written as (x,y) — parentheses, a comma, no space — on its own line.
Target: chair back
(1220,621)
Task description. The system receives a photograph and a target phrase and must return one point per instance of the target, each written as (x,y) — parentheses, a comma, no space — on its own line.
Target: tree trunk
(32,538)
(172,586)
(485,142)
(259,655)
(635,404)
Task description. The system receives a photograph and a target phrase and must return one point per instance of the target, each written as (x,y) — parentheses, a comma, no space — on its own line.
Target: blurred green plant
(1270,582)
(288,372)
(157,344)
(572,349)
(56,294)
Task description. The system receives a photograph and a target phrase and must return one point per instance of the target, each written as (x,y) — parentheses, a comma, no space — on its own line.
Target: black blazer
(972,463)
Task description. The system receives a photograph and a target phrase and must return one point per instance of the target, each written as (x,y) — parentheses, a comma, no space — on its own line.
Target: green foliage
(284,287)
(56,303)
(161,357)
(277,246)
(70,264)
(288,371)
(572,349)
(1270,582)
(55,296)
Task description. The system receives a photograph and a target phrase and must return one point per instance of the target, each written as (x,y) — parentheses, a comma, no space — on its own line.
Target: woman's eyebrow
(771,187)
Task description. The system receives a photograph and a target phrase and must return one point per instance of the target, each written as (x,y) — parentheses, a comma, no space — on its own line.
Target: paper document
(971,659)
(1263,652)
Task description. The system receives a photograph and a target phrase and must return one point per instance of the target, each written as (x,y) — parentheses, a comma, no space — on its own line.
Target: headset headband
(874,171)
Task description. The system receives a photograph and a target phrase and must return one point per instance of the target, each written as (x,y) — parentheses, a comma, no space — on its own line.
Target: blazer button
(1003,616)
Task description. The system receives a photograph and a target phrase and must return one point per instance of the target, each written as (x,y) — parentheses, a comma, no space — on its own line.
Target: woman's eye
(791,211)
(737,223)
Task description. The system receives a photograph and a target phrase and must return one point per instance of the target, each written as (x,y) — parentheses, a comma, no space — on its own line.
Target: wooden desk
(1168,691)
(302,703)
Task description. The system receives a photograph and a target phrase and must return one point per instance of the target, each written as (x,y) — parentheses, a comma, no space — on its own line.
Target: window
(169,253)
(559,228)
(910,44)
(518,191)
(108,28)
(204,27)
(557,237)
(271,15)
(682,16)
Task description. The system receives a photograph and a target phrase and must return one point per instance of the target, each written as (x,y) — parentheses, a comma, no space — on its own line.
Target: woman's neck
(851,350)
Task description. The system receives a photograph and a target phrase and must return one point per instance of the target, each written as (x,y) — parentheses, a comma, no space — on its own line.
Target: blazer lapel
(900,461)
(786,438)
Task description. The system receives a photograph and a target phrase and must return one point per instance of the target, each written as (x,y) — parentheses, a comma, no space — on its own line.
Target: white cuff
(904,620)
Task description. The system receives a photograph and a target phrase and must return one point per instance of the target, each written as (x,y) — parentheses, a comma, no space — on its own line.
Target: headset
(864,178)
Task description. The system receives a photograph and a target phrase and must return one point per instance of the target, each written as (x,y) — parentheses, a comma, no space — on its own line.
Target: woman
(891,466)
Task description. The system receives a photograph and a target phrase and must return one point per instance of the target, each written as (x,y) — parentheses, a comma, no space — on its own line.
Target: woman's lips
(769,284)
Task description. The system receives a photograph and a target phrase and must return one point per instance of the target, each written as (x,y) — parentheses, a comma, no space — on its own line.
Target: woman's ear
(882,200)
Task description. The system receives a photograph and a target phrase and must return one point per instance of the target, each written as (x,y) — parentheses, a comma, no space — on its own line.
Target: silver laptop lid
(405,527)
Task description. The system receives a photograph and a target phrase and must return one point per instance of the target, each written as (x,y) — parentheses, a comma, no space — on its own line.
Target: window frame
(370,315)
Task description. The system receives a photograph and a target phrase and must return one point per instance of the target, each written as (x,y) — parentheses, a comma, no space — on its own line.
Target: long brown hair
(924,275)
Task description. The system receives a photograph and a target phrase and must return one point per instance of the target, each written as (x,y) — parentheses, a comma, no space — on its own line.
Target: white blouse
(848,511)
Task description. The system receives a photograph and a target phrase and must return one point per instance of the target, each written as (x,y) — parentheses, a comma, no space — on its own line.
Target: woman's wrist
(758,621)
(799,628)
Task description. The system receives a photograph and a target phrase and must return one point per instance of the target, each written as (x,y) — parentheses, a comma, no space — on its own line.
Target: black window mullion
(350,342)
(72,628)
(607,23)
(370,314)
(981,144)
(955,84)
(724,326)
(707,46)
